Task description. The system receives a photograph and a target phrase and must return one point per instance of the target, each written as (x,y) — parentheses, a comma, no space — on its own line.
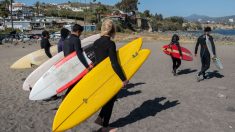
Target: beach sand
(154,101)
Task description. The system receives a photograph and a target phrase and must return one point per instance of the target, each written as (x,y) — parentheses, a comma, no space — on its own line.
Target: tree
(101,9)
(128,5)
(3,13)
(37,4)
(147,13)
(176,19)
(158,17)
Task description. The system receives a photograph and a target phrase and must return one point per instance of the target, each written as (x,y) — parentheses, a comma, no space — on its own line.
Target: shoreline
(155,100)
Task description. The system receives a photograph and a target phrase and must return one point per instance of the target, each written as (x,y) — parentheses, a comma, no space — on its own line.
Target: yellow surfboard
(34,58)
(98,87)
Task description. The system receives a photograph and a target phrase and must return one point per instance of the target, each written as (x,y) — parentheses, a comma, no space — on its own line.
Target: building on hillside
(21,11)
(68,7)
(143,23)
(21,25)
(231,20)
(120,15)
(41,22)
(17,6)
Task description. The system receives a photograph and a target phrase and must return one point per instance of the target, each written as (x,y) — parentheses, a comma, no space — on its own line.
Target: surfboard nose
(26,86)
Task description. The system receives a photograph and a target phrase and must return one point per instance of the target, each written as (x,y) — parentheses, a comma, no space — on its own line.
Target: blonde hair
(108,28)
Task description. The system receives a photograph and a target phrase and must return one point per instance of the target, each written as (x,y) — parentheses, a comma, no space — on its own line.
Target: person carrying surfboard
(45,44)
(204,53)
(73,43)
(103,48)
(64,33)
(176,61)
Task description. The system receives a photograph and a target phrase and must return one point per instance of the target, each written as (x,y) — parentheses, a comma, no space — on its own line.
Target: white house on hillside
(17,6)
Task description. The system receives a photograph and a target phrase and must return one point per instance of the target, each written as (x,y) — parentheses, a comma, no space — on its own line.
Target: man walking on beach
(73,43)
(205,53)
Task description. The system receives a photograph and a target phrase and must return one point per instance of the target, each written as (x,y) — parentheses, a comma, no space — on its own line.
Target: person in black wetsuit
(176,61)
(73,43)
(103,48)
(64,33)
(45,44)
(204,53)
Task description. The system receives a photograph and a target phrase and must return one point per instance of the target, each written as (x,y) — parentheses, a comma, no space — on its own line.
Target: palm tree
(7,3)
(101,9)
(37,4)
(12,27)
(43,7)
(4,9)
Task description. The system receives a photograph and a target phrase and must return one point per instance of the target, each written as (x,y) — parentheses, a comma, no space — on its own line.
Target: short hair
(77,27)
(45,33)
(207,29)
(108,28)
(64,32)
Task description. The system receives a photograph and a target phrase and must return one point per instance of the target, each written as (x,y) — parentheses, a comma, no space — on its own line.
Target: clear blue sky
(212,8)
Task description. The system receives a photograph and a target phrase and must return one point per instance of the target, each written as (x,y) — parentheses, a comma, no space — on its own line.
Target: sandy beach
(154,101)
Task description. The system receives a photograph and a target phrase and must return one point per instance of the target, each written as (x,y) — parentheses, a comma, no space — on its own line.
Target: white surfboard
(37,73)
(215,60)
(59,77)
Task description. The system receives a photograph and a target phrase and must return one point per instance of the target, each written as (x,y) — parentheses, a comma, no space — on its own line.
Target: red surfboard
(174,51)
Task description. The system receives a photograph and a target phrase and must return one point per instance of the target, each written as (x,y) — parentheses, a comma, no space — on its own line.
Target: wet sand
(154,101)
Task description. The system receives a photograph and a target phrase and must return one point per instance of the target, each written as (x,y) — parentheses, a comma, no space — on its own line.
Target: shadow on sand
(186,71)
(148,108)
(125,92)
(214,74)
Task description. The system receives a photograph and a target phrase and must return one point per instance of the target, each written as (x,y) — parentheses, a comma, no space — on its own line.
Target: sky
(212,8)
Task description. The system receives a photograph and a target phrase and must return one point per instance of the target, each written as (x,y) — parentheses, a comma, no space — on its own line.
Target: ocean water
(224,32)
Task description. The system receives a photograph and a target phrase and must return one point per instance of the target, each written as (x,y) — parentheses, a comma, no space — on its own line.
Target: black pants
(205,60)
(106,111)
(176,63)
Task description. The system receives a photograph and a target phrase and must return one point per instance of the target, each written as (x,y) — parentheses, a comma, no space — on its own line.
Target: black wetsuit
(103,48)
(45,44)
(204,53)
(71,44)
(176,61)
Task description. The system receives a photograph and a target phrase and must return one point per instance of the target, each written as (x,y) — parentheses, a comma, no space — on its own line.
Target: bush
(8,30)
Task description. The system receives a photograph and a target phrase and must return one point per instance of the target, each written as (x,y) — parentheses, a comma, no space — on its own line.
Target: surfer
(64,33)
(176,61)
(204,53)
(73,43)
(105,47)
(45,44)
